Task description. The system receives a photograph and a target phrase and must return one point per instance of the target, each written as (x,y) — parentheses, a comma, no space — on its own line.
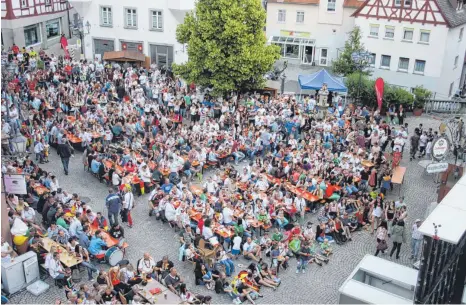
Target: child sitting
(325,248)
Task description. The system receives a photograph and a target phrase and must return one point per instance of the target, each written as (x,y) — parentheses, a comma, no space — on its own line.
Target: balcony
(181,5)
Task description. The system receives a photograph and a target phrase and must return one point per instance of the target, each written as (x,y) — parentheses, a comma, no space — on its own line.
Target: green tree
(421,95)
(345,65)
(226,45)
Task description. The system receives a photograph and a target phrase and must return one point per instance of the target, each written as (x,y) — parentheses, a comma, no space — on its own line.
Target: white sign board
(15,184)
(437,167)
(440,148)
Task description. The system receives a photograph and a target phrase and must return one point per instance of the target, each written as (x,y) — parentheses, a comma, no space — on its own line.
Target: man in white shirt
(28,215)
(210,186)
(227,215)
(75,227)
(416,239)
(251,250)
(128,204)
(146,264)
(55,267)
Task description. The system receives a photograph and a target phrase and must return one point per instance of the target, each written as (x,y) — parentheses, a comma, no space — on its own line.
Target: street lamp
(17,147)
(79,27)
(361,59)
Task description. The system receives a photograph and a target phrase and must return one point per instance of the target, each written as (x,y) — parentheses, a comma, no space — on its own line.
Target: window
(331,4)
(389,32)
(291,51)
(461,34)
(425,36)
(299,17)
(456,62)
(47,2)
(385,61)
(156,20)
(24,3)
(131,18)
(52,29)
(403,64)
(31,35)
(323,57)
(106,18)
(408,35)
(374,30)
(408,2)
(419,66)
(372,59)
(451,89)
(281,15)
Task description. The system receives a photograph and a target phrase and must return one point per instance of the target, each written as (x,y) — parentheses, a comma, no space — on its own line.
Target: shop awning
(292,40)
(124,56)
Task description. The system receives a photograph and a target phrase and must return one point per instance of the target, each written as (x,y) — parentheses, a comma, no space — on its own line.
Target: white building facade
(310,31)
(145,26)
(415,42)
(34,23)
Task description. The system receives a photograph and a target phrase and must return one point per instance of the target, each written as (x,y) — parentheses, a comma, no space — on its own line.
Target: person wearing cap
(416,239)
(163,267)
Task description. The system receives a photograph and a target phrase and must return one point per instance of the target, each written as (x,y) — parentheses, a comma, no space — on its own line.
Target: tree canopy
(226,45)
(345,65)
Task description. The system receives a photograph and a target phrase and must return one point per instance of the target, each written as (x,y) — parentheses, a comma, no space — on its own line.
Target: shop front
(296,46)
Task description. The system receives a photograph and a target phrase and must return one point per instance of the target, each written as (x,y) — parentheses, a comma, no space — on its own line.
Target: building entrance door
(307,54)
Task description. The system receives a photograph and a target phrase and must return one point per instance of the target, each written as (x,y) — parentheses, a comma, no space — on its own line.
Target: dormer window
(405,3)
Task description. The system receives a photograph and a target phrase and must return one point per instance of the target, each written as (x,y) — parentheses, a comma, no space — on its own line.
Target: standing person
(128,204)
(414,145)
(113,203)
(416,239)
(398,237)
(65,151)
(382,237)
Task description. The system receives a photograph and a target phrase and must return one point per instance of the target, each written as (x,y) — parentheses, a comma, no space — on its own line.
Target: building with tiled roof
(416,42)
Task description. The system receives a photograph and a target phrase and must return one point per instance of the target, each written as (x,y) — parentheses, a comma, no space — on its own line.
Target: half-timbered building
(34,23)
(416,42)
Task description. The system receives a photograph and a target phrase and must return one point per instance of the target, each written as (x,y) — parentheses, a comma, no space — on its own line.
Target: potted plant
(421,95)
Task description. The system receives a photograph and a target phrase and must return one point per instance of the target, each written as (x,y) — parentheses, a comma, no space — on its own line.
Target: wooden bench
(398,176)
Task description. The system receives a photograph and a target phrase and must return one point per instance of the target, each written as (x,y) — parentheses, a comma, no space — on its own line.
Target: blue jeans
(282,224)
(229,266)
(415,246)
(65,162)
(113,217)
(301,264)
(90,268)
(239,156)
(251,153)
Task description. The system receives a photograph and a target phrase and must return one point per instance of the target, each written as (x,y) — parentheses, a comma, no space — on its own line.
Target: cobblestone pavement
(318,285)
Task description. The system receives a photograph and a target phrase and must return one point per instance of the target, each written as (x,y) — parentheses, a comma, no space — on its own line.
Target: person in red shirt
(15,49)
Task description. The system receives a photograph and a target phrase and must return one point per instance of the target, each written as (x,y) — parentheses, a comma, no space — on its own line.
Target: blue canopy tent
(316,80)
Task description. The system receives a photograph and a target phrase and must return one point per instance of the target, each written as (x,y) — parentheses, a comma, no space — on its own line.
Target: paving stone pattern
(317,285)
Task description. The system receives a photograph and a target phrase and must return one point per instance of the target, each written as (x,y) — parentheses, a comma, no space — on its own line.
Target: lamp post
(361,59)
(79,26)
(17,147)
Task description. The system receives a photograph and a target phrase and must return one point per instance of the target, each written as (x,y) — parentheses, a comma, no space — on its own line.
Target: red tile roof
(353,3)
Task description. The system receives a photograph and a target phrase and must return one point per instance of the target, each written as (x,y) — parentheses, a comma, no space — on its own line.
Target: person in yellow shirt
(32,53)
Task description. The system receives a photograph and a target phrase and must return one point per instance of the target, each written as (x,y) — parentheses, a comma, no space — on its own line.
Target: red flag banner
(64,45)
(379,84)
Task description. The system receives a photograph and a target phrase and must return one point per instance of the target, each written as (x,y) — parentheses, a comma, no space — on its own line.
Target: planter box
(417,111)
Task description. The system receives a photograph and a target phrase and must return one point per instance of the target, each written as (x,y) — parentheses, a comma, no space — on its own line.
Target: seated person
(100,222)
(146,264)
(173,281)
(97,246)
(163,267)
(118,233)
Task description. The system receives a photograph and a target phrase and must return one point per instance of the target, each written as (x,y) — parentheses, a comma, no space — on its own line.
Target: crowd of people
(234,176)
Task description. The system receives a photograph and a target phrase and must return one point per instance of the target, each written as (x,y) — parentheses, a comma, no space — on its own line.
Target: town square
(233,151)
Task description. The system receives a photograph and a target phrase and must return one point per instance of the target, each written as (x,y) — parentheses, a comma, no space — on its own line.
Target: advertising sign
(15,184)
(434,168)
(440,148)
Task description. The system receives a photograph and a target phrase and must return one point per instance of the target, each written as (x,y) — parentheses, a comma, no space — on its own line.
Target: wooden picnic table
(145,292)
(398,176)
(40,189)
(109,240)
(66,258)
